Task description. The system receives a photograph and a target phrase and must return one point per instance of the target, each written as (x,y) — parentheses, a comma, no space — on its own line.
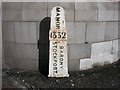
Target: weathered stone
(111,31)
(78,51)
(95,31)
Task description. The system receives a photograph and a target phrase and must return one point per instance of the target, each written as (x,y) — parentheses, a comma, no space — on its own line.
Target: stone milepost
(58,59)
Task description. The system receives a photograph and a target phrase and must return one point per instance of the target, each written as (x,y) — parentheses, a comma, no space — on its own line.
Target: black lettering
(58,9)
(61,59)
(54,50)
(54,64)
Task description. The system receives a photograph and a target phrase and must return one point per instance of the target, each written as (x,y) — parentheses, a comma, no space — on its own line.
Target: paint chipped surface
(58,58)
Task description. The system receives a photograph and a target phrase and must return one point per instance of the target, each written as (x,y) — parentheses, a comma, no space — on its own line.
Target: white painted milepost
(58,59)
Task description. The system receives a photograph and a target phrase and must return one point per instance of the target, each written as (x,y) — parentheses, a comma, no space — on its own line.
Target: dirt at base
(99,77)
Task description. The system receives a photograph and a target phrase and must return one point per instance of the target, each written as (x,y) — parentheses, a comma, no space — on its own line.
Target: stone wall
(92,33)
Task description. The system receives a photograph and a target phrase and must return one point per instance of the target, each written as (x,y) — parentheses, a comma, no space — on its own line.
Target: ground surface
(99,77)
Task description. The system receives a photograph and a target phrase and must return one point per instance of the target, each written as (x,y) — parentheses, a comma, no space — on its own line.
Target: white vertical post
(58,59)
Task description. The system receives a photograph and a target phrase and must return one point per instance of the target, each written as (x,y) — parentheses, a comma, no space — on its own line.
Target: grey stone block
(34,11)
(116,11)
(76,32)
(12,11)
(18,51)
(95,31)
(10,62)
(65,5)
(86,11)
(8,31)
(8,49)
(34,5)
(12,5)
(119,30)
(12,15)
(106,11)
(33,15)
(86,5)
(73,65)
(111,30)
(30,51)
(25,32)
(79,51)
(85,15)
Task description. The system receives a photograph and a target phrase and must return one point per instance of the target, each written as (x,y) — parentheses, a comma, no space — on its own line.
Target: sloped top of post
(58,18)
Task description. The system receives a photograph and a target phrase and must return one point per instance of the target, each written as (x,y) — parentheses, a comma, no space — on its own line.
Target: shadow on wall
(43,45)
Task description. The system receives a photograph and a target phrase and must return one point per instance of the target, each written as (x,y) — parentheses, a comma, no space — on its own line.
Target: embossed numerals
(58,35)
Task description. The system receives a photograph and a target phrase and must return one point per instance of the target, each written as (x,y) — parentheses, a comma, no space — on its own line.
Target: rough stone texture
(106,11)
(8,31)
(73,65)
(78,51)
(111,30)
(85,11)
(101,49)
(76,32)
(25,32)
(95,31)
